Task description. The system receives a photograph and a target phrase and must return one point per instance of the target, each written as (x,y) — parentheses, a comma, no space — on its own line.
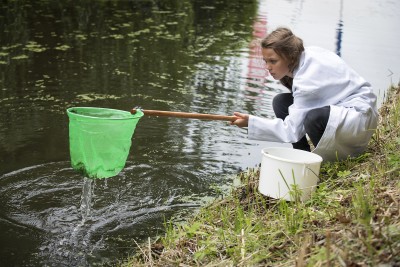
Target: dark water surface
(191,56)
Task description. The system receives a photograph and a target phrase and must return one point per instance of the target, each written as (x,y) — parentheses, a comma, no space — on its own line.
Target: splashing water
(86,198)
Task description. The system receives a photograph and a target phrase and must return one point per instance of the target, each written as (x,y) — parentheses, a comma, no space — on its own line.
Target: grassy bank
(352,219)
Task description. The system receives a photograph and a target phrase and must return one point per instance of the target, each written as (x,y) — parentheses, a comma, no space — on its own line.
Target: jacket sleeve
(289,130)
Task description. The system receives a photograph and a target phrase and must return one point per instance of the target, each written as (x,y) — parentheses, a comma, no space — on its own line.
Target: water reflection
(339,31)
(168,55)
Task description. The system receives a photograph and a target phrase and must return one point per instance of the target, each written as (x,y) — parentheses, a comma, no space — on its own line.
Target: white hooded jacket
(324,79)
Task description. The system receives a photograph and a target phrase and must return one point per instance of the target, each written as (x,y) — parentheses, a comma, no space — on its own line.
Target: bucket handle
(308,168)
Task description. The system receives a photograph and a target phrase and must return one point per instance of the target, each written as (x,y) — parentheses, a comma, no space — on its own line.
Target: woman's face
(276,65)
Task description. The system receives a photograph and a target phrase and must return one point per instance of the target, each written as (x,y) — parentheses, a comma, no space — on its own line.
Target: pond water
(186,55)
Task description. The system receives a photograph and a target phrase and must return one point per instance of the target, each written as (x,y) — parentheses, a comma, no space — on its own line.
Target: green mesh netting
(100,139)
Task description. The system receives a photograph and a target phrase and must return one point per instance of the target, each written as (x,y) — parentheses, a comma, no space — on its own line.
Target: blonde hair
(286,45)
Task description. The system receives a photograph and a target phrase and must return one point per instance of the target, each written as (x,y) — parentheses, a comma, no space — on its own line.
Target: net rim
(137,115)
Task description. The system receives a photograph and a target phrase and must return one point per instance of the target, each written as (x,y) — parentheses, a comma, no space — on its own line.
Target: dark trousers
(315,121)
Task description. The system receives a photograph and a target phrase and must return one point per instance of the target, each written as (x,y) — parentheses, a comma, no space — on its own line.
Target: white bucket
(283,167)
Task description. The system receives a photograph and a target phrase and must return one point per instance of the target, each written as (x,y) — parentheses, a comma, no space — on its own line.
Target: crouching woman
(328,100)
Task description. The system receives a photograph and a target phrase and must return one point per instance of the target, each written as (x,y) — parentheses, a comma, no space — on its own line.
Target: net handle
(186,115)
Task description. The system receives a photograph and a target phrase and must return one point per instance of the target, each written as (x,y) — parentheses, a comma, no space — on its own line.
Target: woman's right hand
(241,121)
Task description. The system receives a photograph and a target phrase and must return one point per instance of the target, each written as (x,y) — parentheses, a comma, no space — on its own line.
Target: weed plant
(352,219)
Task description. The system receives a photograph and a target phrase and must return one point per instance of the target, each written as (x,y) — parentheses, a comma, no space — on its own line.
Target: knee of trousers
(281,103)
(316,118)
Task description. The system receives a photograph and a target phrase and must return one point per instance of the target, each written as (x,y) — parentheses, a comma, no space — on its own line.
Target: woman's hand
(242,120)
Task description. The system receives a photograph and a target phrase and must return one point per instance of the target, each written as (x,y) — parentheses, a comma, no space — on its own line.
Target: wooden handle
(186,115)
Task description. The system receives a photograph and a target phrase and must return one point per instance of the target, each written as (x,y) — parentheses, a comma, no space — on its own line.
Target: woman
(329,101)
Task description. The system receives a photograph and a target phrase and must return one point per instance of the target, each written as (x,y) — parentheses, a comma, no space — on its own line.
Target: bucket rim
(320,159)
(137,115)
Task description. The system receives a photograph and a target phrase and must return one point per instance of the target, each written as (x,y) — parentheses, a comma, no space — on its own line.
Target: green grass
(352,219)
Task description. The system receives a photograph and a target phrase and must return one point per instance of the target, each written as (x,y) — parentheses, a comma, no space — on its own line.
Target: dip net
(100,139)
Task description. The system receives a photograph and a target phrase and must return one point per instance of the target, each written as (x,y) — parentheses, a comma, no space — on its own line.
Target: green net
(100,139)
